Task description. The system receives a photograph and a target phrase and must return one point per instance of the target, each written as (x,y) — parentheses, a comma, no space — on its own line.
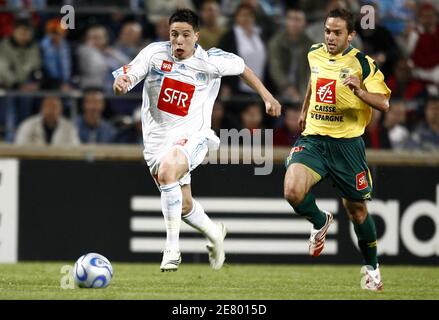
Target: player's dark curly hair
(344,14)
(186,15)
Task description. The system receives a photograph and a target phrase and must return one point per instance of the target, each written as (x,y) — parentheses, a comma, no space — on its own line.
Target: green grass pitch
(234,281)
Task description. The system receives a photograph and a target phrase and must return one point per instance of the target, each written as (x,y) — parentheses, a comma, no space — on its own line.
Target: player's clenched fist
(272,107)
(121,85)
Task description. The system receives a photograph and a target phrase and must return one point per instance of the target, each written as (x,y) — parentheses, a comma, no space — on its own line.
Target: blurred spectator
(379,43)
(252,116)
(394,14)
(48,127)
(162,30)
(221,119)
(288,62)
(158,9)
(91,126)
(423,44)
(267,14)
(131,131)
(316,30)
(211,30)
(376,135)
(402,83)
(426,136)
(270,7)
(56,57)
(245,40)
(97,59)
(287,134)
(130,40)
(20,61)
(394,121)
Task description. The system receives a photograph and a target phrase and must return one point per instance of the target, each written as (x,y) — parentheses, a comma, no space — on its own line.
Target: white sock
(171,199)
(199,220)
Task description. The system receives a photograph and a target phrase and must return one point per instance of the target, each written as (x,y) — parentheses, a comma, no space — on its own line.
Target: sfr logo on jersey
(325,90)
(175,97)
(166,66)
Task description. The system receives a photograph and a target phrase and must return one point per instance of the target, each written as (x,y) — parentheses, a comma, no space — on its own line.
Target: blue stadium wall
(68,208)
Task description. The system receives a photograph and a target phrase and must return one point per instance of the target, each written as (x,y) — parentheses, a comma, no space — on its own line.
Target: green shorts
(342,159)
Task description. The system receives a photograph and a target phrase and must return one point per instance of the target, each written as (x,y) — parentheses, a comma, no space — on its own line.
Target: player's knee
(293,194)
(167,174)
(357,211)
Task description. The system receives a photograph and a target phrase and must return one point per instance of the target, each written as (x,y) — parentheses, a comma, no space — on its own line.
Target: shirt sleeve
(137,69)
(374,81)
(226,63)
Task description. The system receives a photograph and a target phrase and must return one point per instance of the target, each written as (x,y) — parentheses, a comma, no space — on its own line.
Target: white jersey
(178,95)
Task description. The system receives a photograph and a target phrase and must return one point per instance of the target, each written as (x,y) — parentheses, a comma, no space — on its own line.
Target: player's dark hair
(344,14)
(186,15)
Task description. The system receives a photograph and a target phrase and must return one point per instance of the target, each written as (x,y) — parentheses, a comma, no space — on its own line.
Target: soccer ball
(92,270)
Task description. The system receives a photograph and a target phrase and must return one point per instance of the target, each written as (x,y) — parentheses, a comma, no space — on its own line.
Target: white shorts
(194,147)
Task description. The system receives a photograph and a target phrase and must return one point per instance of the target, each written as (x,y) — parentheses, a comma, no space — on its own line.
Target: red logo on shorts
(181,142)
(325,90)
(167,66)
(175,97)
(296,149)
(361,181)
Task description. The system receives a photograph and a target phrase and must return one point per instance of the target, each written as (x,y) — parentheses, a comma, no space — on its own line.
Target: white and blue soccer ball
(92,270)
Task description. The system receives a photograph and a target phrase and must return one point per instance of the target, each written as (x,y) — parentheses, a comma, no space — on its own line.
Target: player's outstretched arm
(121,85)
(377,101)
(272,106)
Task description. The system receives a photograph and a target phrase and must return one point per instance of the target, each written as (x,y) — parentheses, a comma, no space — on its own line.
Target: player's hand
(353,82)
(302,121)
(272,107)
(121,84)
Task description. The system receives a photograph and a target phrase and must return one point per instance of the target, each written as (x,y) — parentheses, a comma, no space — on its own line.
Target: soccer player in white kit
(181,84)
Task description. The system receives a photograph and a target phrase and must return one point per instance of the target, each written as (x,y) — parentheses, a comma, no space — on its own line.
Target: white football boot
(171,260)
(318,236)
(217,255)
(371,279)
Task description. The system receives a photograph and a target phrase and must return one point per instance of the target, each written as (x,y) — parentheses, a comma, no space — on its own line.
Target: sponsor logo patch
(167,66)
(175,97)
(325,90)
(126,68)
(296,149)
(361,181)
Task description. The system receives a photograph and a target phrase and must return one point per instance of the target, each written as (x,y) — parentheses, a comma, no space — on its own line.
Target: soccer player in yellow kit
(344,86)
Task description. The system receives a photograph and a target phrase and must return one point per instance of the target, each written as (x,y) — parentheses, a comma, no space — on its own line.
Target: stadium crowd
(56,83)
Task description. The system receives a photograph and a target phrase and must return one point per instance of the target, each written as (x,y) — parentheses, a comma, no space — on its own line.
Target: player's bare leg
(297,184)
(173,167)
(193,214)
(364,227)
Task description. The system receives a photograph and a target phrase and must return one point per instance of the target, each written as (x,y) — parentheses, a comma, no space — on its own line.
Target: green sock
(308,209)
(367,240)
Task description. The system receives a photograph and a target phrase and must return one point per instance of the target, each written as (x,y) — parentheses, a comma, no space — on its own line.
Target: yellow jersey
(334,110)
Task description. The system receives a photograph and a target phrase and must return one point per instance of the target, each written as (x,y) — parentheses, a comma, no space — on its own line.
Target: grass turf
(240,281)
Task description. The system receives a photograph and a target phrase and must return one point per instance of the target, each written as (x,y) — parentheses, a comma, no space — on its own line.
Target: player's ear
(197,36)
(351,36)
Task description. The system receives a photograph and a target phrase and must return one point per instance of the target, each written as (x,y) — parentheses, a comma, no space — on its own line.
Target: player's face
(337,37)
(183,39)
